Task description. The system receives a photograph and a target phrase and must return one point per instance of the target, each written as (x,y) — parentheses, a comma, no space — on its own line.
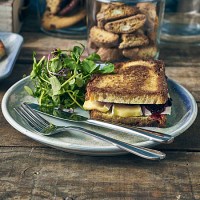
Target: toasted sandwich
(2,50)
(135,94)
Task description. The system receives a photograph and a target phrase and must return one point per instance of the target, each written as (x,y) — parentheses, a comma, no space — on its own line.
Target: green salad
(60,80)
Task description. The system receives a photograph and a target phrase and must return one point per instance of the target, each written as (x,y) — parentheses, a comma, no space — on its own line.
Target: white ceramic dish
(12,43)
(184,112)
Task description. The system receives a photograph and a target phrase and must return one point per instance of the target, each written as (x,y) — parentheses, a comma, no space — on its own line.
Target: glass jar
(124,30)
(63,18)
(181,22)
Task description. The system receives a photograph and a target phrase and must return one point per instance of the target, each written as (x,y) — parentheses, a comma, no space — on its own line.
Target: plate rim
(16,50)
(88,150)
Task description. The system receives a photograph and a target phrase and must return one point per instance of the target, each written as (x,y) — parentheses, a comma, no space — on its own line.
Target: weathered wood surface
(30,170)
(37,173)
(180,55)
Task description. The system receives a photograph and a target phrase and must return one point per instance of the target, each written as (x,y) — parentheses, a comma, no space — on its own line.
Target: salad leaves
(60,80)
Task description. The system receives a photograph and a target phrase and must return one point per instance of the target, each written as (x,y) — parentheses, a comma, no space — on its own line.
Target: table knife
(74,117)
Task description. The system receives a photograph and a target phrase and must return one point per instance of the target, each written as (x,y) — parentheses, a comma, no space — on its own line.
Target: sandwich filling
(129,110)
(135,94)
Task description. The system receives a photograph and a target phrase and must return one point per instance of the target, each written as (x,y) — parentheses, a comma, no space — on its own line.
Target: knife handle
(143,152)
(151,135)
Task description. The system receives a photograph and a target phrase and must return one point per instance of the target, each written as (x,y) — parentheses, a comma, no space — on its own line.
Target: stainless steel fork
(46,128)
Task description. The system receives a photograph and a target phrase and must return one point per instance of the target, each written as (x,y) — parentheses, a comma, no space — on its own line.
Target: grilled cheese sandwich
(136,94)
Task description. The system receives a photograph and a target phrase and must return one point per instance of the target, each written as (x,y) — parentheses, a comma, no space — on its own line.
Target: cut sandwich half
(136,94)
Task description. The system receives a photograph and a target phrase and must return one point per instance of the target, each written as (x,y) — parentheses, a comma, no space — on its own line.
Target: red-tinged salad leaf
(60,80)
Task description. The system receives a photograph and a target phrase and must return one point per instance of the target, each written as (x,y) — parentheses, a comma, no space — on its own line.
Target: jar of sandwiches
(63,18)
(124,29)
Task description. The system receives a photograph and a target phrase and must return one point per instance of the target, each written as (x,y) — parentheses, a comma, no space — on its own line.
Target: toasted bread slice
(2,50)
(159,121)
(126,25)
(134,82)
(115,12)
(102,38)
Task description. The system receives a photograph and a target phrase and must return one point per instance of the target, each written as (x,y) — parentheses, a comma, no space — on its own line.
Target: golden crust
(133,40)
(102,38)
(152,22)
(105,6)
(134,82)
(134,121)
(126,25)
(145,52)
(148,9)
(51,22)
(110,54)
(114,12)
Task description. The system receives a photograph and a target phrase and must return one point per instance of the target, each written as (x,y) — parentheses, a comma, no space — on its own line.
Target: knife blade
(74,117)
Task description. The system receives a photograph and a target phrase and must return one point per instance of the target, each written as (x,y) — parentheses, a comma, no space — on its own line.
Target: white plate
(12,43)
(184,112)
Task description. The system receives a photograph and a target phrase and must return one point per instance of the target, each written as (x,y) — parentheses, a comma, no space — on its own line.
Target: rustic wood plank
(189,77)
(180,55)
(17,74)
(35,173)
(187,141)
(43,44)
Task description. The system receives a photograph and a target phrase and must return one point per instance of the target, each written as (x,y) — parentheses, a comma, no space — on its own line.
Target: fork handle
(152,135)
(143,152)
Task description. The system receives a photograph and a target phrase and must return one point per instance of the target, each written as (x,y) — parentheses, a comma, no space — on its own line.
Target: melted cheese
(96,105)
(122,110)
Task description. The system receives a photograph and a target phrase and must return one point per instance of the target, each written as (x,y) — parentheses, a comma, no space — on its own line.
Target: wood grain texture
(51,174)
(30,170)
(176,55)
(43,44)
(189,77)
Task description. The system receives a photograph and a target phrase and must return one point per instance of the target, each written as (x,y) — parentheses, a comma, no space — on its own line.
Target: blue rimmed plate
(12,43)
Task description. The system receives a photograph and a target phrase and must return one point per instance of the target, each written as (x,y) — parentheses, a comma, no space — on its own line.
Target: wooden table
(31,170)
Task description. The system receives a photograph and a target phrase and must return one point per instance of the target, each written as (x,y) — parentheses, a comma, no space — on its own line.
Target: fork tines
(31,117)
